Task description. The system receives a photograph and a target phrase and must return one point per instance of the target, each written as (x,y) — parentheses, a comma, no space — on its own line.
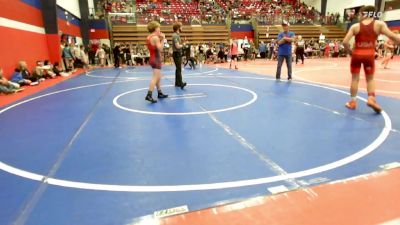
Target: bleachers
(176,7)
(306,31)
(195,35)
(333,32)
(273,32)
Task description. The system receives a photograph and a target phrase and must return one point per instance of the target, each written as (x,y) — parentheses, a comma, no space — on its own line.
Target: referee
(177,54)
(285,40)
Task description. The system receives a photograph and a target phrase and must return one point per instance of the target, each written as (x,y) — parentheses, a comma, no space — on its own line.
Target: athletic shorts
(155,64)
(233,57)
(368,61)
(389,53)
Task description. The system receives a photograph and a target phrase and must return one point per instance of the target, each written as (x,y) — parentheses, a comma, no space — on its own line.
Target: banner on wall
(392,5)
(351,14)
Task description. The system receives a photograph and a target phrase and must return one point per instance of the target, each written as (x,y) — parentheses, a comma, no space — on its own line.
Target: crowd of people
(104,7)
(211,53)
(72,57)
(22,76)
(213,11)
(133,54)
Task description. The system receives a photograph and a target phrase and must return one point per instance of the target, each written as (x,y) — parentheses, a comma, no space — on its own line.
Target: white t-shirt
(101,53)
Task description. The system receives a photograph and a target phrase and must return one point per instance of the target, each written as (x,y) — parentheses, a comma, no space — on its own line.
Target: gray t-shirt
(176,39)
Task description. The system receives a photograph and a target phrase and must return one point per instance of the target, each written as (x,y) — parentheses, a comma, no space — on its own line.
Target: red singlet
(364,50)
(155,55)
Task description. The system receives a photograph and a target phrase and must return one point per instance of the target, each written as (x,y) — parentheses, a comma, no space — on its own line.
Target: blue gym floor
(91,150)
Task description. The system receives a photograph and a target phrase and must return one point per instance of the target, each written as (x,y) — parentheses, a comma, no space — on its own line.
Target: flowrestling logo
(371,14)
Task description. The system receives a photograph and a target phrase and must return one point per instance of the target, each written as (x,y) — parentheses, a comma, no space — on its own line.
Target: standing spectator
(245,46)
(263,50)
(122,54)
(108,54)
(300,49)
(285,40)
(128,55)
(389,50)
(101,55)
(85,59)
(327,50)
(68,58)
(271,49)
(92,55)
(116,52)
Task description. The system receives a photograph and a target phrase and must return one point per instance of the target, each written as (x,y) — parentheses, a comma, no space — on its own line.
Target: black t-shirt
(187,50)
(56,70)
(107,50)
(201,51)
(116,51)
(26,74)
(209,53)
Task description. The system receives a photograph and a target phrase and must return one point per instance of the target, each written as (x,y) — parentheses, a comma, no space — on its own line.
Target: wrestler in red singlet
(366,33)
(364,49)
(155,46)
(155,54)
(234,53)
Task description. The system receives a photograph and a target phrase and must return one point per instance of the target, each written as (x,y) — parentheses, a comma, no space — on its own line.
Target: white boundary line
(295,74)
(136,78)
(188,97)
(197,187)
(254,98)
(385,72)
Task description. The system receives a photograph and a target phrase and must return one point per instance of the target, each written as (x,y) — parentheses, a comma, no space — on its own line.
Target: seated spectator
(210,55)
(57,69)
(38,74)
(308,51)
(22,67)
(18,77)
(47,69)
(8,87)
(221,55)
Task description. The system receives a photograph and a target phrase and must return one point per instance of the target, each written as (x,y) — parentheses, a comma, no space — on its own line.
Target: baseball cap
(285,23)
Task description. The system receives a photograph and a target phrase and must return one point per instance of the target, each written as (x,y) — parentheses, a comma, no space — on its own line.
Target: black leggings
(177,56)
(300,54)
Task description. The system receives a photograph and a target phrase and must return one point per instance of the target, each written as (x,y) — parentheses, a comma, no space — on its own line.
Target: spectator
(68,58)
(101,55)
(116,52)
(263,50)
(271,51)
(300,45)
(245,46)
(23,69)
(336,49)
(107,49)
(58,70)
(8,87)
(47,69)
(18,77)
